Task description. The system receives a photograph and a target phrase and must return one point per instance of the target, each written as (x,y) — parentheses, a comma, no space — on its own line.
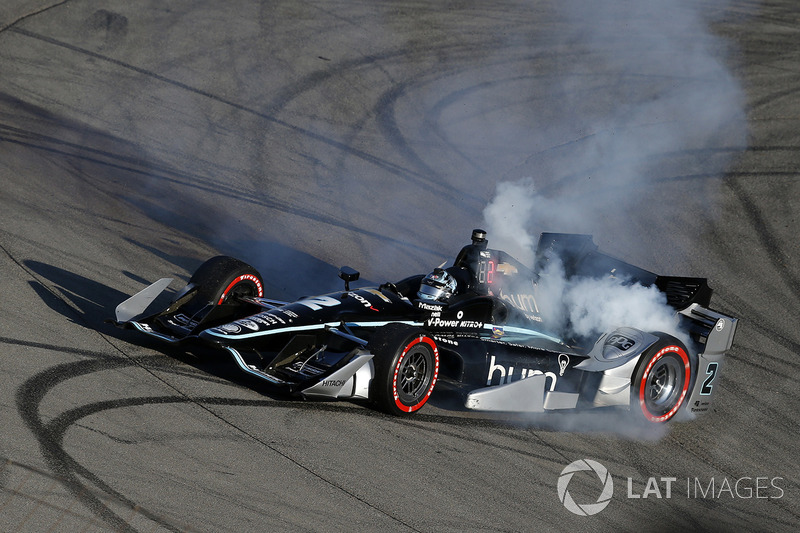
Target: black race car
(476,324)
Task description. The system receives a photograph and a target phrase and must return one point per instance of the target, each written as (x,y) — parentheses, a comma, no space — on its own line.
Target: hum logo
(506,374)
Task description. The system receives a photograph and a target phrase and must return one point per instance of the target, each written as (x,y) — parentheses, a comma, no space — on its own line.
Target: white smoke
(587,307)
(644,115)
(644,101)
(516,210)
(603,304)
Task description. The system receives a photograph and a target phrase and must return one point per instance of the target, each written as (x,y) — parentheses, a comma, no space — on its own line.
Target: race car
(475,324)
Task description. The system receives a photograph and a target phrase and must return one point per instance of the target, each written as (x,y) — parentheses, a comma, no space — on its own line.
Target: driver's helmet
(438,286)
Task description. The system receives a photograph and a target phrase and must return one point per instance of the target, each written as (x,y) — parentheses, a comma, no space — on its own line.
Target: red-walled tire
(220,280)
(406,368)
(661,381)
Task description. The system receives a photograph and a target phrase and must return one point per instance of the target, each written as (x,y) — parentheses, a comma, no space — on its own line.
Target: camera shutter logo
(586,509)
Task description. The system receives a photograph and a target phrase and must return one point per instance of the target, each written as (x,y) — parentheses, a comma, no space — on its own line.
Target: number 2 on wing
(711,370)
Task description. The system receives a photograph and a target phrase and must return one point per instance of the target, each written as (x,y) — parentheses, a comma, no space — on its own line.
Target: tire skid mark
(50,436)
(772,98)
(151,361)
(694,452)
(33,14)
(202,184)
(755,353)
(31,393)
(777,415)
(751,313)
(739,307)
(379,162)
(17,492)
(452,99)
(767,241)
(383,110)
(732,255)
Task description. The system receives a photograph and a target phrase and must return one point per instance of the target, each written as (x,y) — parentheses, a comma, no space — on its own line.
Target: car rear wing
(580,257)
(711,331)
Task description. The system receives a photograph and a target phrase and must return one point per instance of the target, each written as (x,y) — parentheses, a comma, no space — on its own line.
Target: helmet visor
(428,292)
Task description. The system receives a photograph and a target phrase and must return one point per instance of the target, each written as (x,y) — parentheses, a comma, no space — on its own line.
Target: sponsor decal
(333,382)
(523,302)
(268,319)
(503,342)
(318,302)
(438,322)
(366,303)
(229,328)
(620,341)
(379,294)
(249,324)
(181,320)
(497,332)
(445,340)
(288,312)
(507,269)
(429,307)
(563,362)
(507,373)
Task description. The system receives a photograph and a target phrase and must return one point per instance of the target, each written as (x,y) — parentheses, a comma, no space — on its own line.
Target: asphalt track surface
(139,138)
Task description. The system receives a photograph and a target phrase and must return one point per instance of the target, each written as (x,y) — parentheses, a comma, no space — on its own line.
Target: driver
(437,286)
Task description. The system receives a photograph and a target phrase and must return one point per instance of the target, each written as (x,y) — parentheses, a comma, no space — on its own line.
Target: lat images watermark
(585,509)
(664,487)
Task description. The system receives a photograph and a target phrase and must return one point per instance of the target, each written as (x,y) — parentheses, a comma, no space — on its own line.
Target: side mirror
(348,274)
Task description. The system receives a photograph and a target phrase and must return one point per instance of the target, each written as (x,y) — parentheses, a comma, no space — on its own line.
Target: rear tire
(406,368)
(661,381)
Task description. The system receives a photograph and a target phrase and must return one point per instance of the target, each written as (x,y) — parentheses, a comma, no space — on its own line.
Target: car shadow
(90,304)
(80,299)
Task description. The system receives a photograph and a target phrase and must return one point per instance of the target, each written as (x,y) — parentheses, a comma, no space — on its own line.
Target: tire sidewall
(668,350)
(393,352)
(220,277)
(215,282)
(248,282)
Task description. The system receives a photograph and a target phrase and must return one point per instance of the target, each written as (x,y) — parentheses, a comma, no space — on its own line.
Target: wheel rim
(412,374)
(662,384)
(243,289)
(415,374)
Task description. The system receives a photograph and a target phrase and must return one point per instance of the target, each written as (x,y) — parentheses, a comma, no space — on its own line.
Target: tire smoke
(649,106)
(643,124)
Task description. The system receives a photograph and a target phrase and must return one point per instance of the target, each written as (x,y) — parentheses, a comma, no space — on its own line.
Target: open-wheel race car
(475,324)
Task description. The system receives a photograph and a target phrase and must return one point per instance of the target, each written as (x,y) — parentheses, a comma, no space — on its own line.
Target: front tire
(217,283)
(406,368)
(222,278)
(661,381)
